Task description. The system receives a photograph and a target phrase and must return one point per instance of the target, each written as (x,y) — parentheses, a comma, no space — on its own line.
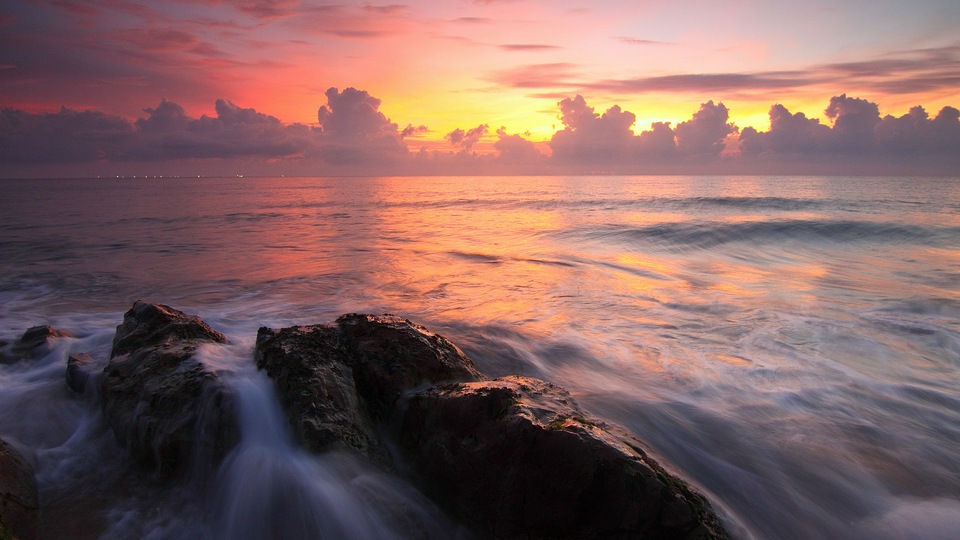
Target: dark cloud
(907,72)
(352,132)
(790,134)
(514,149)
(591,138)
(77,8)
(703,135)
(158,39)
(854,122)
(705,82)
(267,9)
(413,130)
(858,135)
(354,137)
(466,139)
(355,130)
(353,114)
(64,137)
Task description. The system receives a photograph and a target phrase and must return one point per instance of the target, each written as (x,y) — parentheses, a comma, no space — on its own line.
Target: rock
(512,457)
(332,379)
(5,357)
(392,355)
(79,370)
(168,409)
(35,342)
(315,384)
(18,495)
(516,457)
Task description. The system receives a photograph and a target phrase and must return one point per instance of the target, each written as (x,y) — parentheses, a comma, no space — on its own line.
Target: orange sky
(448,65)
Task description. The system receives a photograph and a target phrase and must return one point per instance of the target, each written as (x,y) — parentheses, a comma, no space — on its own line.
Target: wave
(706,235)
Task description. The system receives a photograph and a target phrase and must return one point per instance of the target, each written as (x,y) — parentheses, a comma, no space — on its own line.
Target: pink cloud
(466,139)
(858,135)
(355,137)
(702,136)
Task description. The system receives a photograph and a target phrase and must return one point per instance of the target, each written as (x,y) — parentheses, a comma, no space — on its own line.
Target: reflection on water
(791,344)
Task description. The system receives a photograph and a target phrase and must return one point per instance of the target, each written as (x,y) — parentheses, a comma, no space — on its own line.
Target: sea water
(790,345)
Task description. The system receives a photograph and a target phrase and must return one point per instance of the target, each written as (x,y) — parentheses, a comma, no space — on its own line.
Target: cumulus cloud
(515,149)
(854,121)
(354,137)
(858,135)
(66,136)
(466,139)
(790,134)
(352,132)
(591,138)
(702,136)
(354,129)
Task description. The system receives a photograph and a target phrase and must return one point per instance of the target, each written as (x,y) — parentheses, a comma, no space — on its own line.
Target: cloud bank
(352,136)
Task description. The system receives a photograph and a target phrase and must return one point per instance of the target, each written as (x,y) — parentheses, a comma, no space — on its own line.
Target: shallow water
(790,344)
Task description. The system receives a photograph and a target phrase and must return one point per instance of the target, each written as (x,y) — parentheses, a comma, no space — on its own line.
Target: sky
(478,86)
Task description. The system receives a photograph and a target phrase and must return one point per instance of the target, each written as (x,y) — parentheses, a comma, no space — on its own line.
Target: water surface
(790,344)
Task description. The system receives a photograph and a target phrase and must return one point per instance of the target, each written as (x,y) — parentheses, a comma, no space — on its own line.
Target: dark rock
(35,342)
(164,405)
(5,356)
(18,495)
(516,457)
(513,457)
(331,379)
(79,370)
(391,355)
(314,382)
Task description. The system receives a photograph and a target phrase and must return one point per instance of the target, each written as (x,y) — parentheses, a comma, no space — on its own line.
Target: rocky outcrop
(314,381)
(512,457)
(18,495)
(335,380)
(164,405)
(517,457)
(391,355)
(80,369)
(35,342)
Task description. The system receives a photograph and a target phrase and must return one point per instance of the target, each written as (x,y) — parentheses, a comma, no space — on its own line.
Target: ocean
(790,345)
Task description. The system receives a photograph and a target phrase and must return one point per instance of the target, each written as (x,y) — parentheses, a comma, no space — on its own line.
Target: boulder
(35,342)
(392,355)
(315,385)
(80,368)
(512,457)
(517,457)
(168,409)
(335,381)
(18,495)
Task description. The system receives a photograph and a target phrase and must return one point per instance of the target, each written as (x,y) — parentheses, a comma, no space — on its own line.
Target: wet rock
(164,405)
(315,384)
(333,379)
(35,342)
(18,495)
(79,370)
(512,457)
(5,356)
(392,355)
(516,457)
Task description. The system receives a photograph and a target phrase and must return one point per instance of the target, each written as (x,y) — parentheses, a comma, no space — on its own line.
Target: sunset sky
(439,67)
